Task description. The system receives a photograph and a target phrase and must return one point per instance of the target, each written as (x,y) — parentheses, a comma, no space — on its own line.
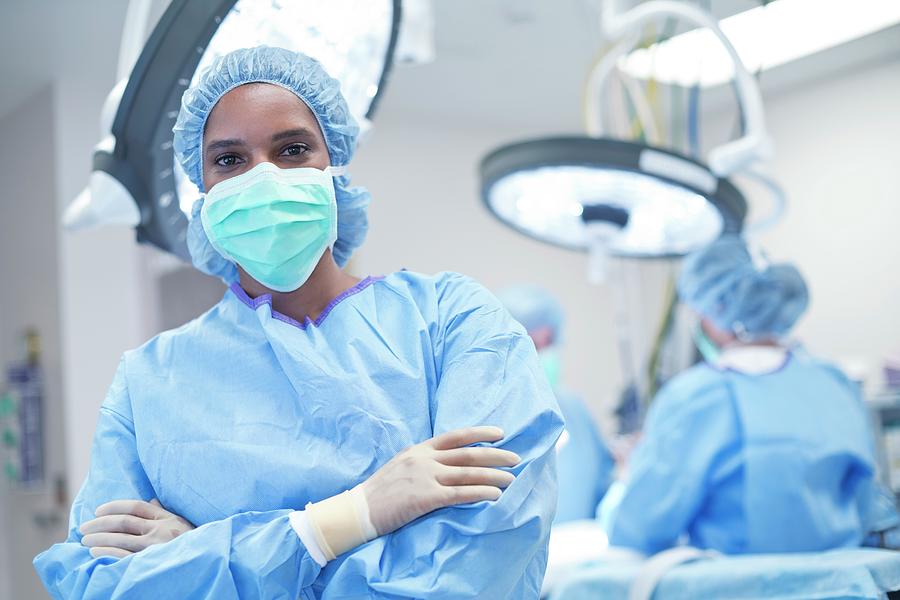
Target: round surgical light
(648,202)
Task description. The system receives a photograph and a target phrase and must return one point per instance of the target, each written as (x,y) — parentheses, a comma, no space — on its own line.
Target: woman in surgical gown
(302,383)
(761,447)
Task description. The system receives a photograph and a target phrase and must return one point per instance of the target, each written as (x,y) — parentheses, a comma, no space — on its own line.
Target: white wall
(29,270)
(103,288)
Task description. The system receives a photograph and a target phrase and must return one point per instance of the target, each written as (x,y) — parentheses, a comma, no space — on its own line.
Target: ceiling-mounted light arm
(725,159)
(134,35)
(105,200)
(597,79)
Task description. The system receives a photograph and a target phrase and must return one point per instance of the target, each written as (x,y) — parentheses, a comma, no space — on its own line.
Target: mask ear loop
(338,171)
(741,332)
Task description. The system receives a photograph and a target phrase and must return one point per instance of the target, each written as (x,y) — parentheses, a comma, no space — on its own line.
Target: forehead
(258,109)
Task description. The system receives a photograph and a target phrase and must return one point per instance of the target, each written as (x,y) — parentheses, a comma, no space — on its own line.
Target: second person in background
(584,463)
(760,448)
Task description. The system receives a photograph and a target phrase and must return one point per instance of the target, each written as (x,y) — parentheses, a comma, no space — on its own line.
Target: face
(542,337)
(719,337)
(256,123)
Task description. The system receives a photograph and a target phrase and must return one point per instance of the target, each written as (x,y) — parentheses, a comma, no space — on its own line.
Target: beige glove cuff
(341,523)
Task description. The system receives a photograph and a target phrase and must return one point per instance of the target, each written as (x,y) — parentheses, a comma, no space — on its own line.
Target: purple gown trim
(255,303)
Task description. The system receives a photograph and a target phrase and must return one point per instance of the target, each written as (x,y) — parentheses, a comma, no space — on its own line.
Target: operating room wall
(837,144)
(104,287)
(30,519)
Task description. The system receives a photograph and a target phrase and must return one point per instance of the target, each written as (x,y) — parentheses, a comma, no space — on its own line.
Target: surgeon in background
(759,448)
(584,463)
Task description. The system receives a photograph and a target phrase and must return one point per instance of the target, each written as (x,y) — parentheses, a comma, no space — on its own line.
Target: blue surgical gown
(242,415)
(584,463)
(740,463)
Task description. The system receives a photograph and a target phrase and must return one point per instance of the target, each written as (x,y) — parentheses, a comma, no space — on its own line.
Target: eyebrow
(289,133)
(224,144)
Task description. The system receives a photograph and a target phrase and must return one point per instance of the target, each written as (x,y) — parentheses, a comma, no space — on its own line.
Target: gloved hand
(437,473)
(434,474)
(123,527)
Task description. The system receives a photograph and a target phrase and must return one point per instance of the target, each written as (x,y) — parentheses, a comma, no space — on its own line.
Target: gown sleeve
(248,555)
(489,375)
(691,424)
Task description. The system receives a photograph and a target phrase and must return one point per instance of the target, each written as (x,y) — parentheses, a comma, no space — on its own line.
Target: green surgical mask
(552,366)
(275,223)
(708,349)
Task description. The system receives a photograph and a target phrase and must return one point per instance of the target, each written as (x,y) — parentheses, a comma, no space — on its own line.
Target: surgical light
(644,202)
(765,37)
(627,198)
(135,178)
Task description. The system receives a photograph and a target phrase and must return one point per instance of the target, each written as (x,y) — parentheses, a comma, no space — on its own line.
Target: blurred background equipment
(637,194)
(21,416)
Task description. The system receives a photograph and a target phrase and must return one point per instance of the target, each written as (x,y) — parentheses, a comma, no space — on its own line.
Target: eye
(295,150)
(227,160)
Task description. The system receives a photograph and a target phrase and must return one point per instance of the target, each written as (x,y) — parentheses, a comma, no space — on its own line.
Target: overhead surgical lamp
(135,179)
(627,198)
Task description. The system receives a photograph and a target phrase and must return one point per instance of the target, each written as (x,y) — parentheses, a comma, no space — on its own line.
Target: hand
(123,527)
(437,473)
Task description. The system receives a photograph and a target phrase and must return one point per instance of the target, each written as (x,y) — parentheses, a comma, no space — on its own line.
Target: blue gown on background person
(584,464)
(750,463)
(243,415)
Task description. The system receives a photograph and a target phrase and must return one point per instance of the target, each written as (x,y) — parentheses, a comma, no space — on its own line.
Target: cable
(587,99)
(624,121)
(641,107)
(693,130)
(603,65)
(634,127)
(676,108)
(694,120)
(653,87)
(668,31)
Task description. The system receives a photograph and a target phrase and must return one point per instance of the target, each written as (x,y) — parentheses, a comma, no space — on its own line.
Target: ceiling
(506,63)
(37,41)
(522,63)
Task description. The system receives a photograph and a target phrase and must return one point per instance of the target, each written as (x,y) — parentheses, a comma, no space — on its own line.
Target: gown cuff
(299,521)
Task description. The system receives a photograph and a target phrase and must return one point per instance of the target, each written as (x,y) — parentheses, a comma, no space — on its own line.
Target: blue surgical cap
(306,78)
(722,283)
(533,307)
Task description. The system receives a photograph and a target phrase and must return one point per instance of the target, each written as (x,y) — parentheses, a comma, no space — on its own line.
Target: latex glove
(123,527)
(437,473)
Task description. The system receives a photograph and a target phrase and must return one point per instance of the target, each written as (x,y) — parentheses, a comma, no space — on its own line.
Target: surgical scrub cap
(533,307)
(306,78)
(722,283)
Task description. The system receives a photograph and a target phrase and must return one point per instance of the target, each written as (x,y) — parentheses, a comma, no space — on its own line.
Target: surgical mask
(708,349)
(275,223)
(552,366)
